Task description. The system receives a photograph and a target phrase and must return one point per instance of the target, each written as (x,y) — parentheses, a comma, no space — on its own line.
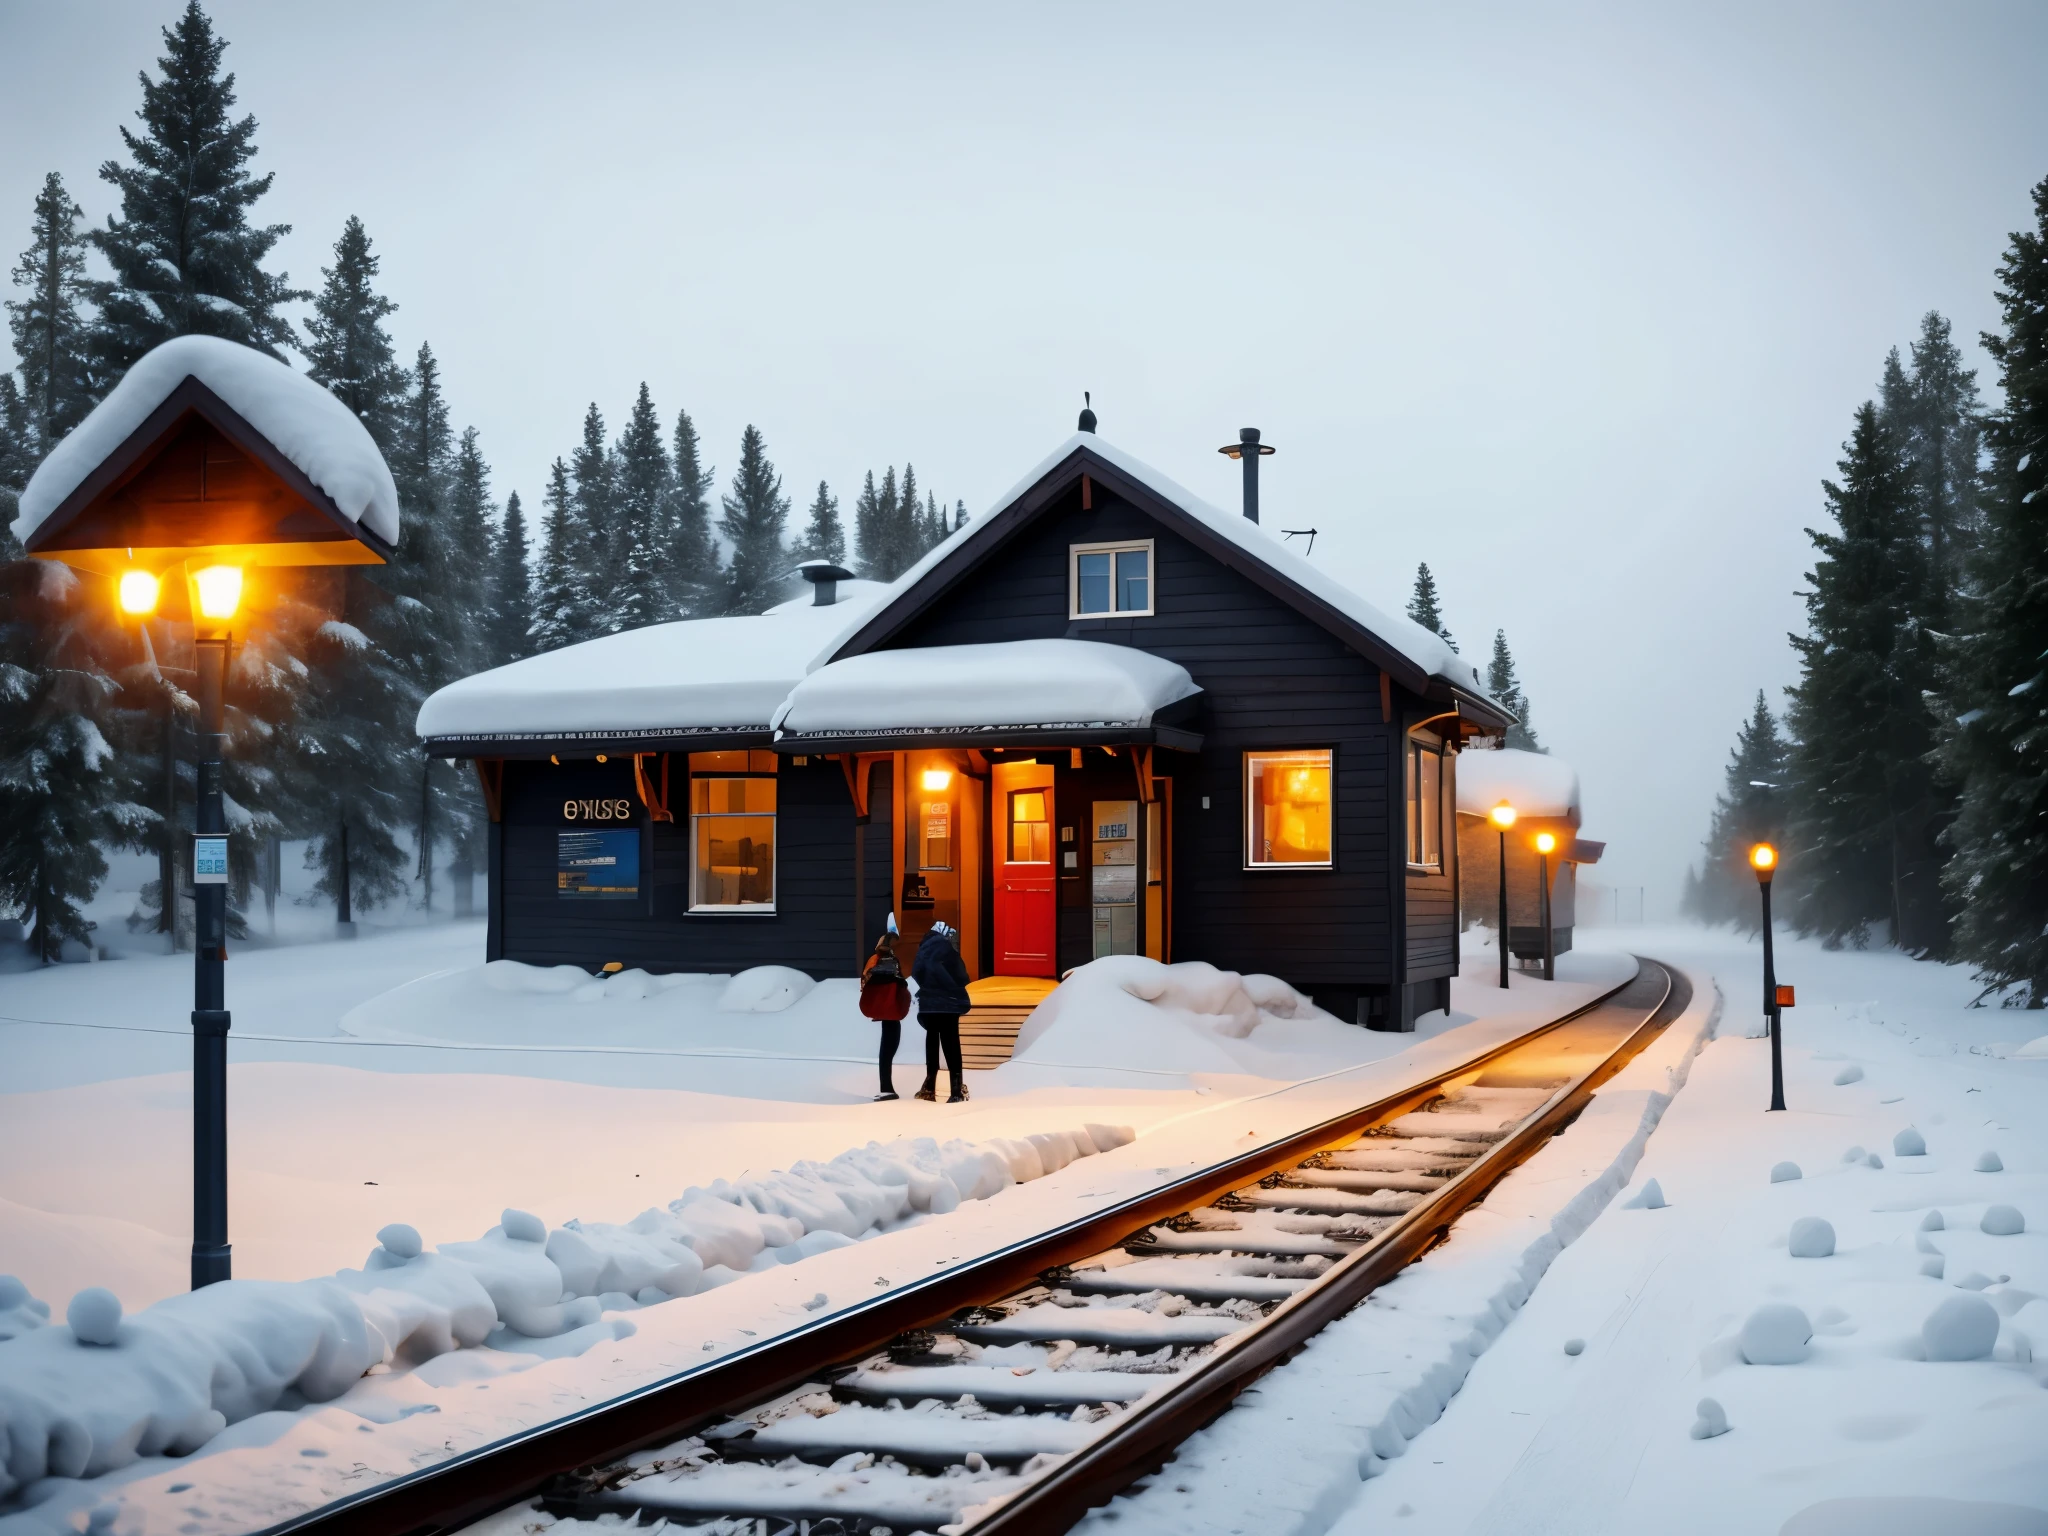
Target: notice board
(598,866)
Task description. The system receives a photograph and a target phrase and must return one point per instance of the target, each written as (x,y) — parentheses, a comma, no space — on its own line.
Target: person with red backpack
(885,998)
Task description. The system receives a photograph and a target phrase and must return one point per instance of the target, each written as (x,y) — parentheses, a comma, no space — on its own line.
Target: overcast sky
(1572,303)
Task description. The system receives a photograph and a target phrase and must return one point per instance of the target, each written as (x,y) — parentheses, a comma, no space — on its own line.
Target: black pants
(941,1030)
(892,1036)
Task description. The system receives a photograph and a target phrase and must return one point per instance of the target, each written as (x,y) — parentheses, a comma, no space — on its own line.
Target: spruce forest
(97,719)
(1906,781)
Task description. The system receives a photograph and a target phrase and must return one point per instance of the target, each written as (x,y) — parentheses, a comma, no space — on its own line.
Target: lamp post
(1763,858)
(1544,844)
(1503,817)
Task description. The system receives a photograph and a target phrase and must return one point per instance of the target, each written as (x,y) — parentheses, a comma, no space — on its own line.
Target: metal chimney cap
(1247,440)
(1087,422)
(824,578)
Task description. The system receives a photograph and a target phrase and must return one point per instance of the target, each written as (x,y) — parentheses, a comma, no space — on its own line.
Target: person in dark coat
(941,977)
(885,998)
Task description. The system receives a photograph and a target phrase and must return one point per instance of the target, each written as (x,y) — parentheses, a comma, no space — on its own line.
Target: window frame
(1112,548)
(1411,804)
(1248,805)
(694,908)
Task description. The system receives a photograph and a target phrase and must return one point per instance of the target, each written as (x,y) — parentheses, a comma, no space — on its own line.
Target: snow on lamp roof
(695,676)
(1534,783)
(305,423)
(1007,685)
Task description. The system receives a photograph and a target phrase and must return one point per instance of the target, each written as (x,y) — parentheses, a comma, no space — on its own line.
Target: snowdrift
(1128,1012)
(99,1391)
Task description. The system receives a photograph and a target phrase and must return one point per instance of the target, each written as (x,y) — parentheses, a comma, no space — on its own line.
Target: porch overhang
(592,743)
(1027,738)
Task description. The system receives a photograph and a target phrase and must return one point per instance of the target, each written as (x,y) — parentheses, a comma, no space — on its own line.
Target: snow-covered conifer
(640,519)
(1424,608)
(1750,809)
(755,513)
(511,615)
(49,322)
(1506,688)
(17,461)
(824,537)
(560,612)
(596,563)
(349,349)
(186,259)
(695,585)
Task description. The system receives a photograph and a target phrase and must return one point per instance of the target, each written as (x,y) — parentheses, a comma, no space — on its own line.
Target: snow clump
(1812,1238)
(1784,1173)
(400,1241)
(1649,1198)
(1960,1328)
(1849,1074)
(518,976)
(2003,1221)
(1934,1267)
(1775,1334)
(1712,1420)
(1872,1160)
(19,1311)
(1990,1162)
(95,1316)
(1854,1155)
(1932,1222)
(764,989)
(1575,1346)
(1909,1143)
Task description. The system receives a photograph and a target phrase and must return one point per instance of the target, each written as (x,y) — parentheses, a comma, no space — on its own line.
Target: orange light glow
(1545,843)
(139,592)
(1763,857)
(936,779)
(220,590)
(1502,815)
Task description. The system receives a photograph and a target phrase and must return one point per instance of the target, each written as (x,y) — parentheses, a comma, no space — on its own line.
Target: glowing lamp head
(220,590)
(1763,858)
(1502,815)
(936,779)
(138,592)
(1545,843)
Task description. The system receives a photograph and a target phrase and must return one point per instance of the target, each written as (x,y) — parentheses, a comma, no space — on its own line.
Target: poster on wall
(598,866)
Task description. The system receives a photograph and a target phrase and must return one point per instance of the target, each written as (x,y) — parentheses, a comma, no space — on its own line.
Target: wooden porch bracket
(1148,786)
(490,773)
(855,766)
(657,804)
(1386,698)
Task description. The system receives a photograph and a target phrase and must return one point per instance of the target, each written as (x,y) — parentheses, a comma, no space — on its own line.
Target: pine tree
(512,608)
(868,537)
(695,583)
(464,609)
(1998,744)
(932,525)
(1424,610)
(823,536)
(1865,798)
(51,330)
(904,531)
(1943,432)
(560,605)
(596,565)
(642,509)
(755,514)
(17,462)
(1749,810)
(1506,689)
(186,259)
(349,350)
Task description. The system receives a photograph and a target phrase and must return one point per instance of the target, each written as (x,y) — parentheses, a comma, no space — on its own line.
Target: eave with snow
(1105,717)
(209,452)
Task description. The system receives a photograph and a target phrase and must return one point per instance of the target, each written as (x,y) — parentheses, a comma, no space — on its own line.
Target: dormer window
(1109,581)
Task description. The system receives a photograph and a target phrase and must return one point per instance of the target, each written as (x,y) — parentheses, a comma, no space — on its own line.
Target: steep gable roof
(1418,660)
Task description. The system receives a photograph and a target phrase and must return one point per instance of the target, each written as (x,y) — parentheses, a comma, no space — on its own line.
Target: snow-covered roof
(319,434)
(1428,653)
(848,591)
(695,675)
(1007,685)
(1534,783)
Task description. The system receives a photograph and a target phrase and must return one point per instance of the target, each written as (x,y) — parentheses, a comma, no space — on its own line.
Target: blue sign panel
(598,866)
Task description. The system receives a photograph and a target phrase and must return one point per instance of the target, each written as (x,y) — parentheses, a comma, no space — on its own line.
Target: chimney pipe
(824,578)
(1250,451)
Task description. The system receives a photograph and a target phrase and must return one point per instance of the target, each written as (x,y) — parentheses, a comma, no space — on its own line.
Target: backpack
(884,994)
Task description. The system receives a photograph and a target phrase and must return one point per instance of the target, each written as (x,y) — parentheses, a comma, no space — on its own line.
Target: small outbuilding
(1544,791)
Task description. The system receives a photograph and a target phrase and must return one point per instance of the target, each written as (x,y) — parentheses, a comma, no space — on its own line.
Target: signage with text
(598,866)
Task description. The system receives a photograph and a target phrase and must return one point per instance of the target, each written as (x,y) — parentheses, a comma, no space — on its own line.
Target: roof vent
(1087,423)
(1248,448)
(824,578)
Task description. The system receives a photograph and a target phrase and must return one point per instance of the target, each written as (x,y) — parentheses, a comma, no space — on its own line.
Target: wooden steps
(988,1033)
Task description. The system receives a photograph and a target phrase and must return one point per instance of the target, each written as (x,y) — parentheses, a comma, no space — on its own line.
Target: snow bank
(306,424)
(169,1379)
(1534,783)
(1126,1011)
(1010,683)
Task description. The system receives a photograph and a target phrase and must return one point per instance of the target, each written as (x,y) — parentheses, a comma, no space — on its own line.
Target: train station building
(1105,718)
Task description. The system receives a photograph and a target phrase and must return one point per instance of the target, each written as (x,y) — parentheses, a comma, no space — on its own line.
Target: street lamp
(1763,858)
(1503,817)
(206,459)
(1544,844)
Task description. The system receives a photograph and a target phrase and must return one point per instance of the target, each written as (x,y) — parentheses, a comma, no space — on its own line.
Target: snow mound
(97,1395)
(1784,1173)
(1125,1011)
(1909,1143)
(764,989)
(1712,1420)
(1932,1222)
(518,976)
(1960,1328)
(2003,1221)
(1649,1198)
(2035,1049)
(1990,1162)
(307,425)
(1575,1346)
(1775,1334)
(1849,1074)
(1812,1238)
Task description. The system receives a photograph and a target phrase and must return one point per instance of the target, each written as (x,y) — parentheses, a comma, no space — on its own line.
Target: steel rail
(495,1476)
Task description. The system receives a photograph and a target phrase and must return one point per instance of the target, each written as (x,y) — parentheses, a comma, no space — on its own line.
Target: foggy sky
(1574,305)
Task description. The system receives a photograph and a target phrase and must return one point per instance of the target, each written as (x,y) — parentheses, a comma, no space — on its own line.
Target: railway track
(1014,1394)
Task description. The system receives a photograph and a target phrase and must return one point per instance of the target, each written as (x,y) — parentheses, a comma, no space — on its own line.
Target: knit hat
(944,929)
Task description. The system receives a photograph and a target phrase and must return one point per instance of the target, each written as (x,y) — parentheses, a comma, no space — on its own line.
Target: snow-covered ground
(393,1083)
(1861,1433)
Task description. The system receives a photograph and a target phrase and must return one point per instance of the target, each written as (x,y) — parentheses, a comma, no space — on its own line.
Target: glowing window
(1111,580)
(1425,806)
(1287,809)
(732,837)
(1030,827)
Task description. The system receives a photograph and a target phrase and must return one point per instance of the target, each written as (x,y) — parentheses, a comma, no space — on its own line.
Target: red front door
(1026,916)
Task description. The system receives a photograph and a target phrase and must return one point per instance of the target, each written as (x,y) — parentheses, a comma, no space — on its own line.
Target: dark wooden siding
(812,927)
(1271,679)
(1433,898)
